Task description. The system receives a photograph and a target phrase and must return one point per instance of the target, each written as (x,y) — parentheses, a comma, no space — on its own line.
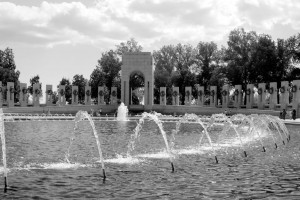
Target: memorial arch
(141,63)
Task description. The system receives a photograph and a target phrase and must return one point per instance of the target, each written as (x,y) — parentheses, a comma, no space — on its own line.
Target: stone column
(213,96)
(225,96)
(296,95)
(200,100)
(49,95)
(284,94)
(162,94)
(261,101)
(1,94)
(114,96)
(273,95)
(101,95)
(249,96)
(75,93)
(175,96)
(238,96)
(61,95)
(10,95)
(87,96)
(36,94)
(188,96)
(23,95)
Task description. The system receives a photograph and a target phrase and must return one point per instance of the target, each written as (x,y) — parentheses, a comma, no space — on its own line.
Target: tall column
(101,95)
(273,95)
(261,101)
(114,95)
(75,93)
(49,95)
(36,94)
(238,96)
(225,96)
(23,95)
(175,96)
(213,96)
(296,95)
(87,96)
(249,96)
(61,95)
(284,94)
(1,94)
(200,100)
(10,94)
(162,98)
(188,96)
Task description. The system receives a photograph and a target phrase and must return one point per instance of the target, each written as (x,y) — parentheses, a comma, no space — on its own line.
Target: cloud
(111,21)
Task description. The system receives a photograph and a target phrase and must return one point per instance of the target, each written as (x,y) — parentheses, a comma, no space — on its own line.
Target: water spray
(245,153)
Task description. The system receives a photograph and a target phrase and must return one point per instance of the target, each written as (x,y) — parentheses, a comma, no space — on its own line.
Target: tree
(34,80)
(68,89)
(8,72)
(81,82)
(128,47)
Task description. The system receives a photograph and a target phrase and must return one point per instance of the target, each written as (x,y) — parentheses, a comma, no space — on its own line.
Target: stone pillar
(225,96)
(200,100)
(1,94)
(49,95)
(188,96)
(61,95)
(296,95)
(238,96)
(23,95)
(213,96)
(273,95)
(249,96)
(284,94)
(101,95)
(10,94)
(87,96)
(175,96)
(114,95)
(36,94)
(75,93)
(261,99)
(162,94)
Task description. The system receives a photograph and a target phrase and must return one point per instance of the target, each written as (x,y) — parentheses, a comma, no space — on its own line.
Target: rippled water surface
(38,169)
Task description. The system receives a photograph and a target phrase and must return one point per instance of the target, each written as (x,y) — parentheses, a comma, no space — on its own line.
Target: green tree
(128,47)
(8,72)
(81,82)
(34,80)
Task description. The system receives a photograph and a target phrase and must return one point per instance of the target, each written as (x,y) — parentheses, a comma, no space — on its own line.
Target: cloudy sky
(55,39)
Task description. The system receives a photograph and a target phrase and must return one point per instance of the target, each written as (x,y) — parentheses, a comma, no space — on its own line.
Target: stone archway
(142,62)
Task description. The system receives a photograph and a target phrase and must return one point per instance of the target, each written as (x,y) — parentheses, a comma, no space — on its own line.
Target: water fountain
(122,112)
(134,155)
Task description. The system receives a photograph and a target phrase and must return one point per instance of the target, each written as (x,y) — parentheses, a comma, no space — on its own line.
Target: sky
(56,39)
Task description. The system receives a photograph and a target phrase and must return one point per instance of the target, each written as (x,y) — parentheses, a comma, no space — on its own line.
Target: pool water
(36,152)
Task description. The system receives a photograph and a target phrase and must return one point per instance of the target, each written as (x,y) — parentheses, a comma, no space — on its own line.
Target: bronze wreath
(114,93)
(236,92)
(100,93)
(37,91)
(175,93)
(24,90)
(271,90)
(187,93)
(62,92)
(0,89)
(294,88)
(259,91)
(49,92)
(248,91)
(212,93)
(162,93)
(88,93)
(200,93)
(75,92)
(11,90)
(224,92)
(282,89)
